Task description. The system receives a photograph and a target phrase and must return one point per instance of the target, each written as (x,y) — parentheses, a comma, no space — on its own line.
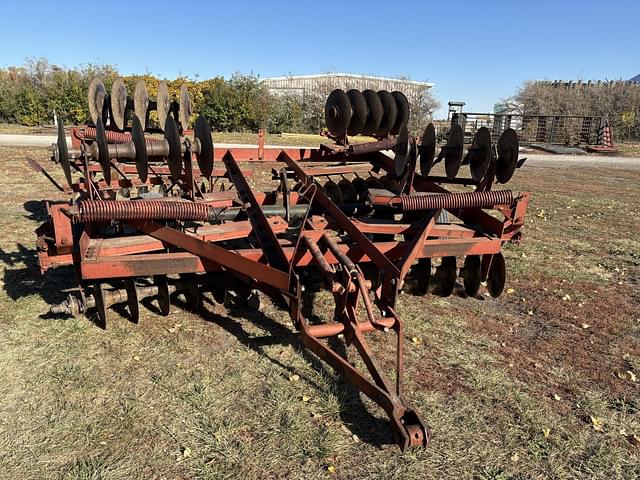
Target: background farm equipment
(164,214)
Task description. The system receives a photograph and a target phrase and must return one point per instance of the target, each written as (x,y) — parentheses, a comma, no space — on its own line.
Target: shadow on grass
(353,412)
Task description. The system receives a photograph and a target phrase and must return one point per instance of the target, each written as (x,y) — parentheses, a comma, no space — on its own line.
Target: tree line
(30,94)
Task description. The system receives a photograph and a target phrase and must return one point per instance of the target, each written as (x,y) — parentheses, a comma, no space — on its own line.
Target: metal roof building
(322,84)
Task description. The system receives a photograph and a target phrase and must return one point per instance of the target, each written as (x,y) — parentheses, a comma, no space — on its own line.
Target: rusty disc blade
(137,137)
(497,275)
(96,96)
(507,155)
(132,300)
(374,112)
(389,115)
(471,274)
(103,151)
(118,103)
(402,150)
(141,102)
(185,107)
(62,152)
(163,102)
(202,132)
(480,154)
(453,151)
(359,111)
(337,112)
(427,149)
(172,136)
(349,194)
(333,191)
(447,273)
(402,105)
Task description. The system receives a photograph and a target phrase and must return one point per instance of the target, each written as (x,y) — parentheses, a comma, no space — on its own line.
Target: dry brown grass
(212,398)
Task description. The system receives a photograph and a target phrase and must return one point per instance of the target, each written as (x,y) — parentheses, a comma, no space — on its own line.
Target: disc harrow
(151,219)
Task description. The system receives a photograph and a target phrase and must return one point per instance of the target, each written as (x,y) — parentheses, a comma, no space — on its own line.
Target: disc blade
(480,154)
(337,112)
(96,95)
(427,149)
(359,110)
(202,132)
(497,275)
(141,102)
(374,112)
(402,105)
(118,103)
(103,151)
(185,107)
(137,136)
(454,150)
(333,192)
(507,155)
(163,102)
(172,136)
(471,274)
(389,115)
(402,151)
(63,152)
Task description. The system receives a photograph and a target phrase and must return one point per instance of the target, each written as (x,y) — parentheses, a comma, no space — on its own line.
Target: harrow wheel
(132,300)
(103,151)
(137,136)
(119,103)
(507,155)
(174,159)
(202,132)
(62,153)
(471,274)
(164,303)
(185,107)
(97,94)
(163,102)
(141,102)
(480,154)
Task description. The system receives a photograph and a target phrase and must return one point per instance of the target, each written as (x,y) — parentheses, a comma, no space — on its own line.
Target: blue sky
(475,51)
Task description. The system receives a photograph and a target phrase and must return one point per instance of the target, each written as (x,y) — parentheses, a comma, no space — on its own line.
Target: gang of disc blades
(202,132)
(163,103)
(359,111)
(137,137)
(118,103)
(103,151)
(63,152)
(427,149)
(374,114)
(453,151)
(402,105)
(141,102)
(172,136)
(337,112)
(389,115)
(96,96)
(508,149)
(480,154)
(185,107)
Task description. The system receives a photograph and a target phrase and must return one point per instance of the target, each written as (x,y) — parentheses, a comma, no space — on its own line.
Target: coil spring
(456,200)
(104,211)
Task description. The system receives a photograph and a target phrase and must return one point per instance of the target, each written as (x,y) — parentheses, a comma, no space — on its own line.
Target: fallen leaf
(546,432)
(597,423)
(627,375)
(136,358)
(305,398)
(510,290)
(416,340)
(585,325)
(171,330)
(557,397)
(294,378)
(537,365)
(186,452)
(331,469)
(515,457)
(566,297)
(530,312)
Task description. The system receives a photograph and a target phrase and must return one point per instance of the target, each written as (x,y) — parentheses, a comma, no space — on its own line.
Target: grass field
(540,383)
